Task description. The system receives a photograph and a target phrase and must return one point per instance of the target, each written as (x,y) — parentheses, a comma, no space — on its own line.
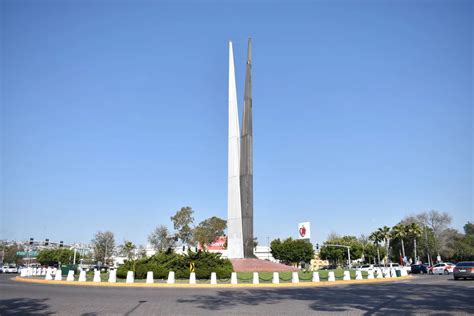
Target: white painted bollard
(23,272)
(29,272)
(170,277)
(192,278)
(70,276)
(404,272)
(276,278)
(331,276)
(295,278)
(347,276)
(213,278)
(96,276)
(393,273)
(379,274)
(370,275)
(233,278)
(48,275)
(359,275)
(149,277)
(386,273)
(112,276)
(255,278)
(42,271)
(82,276)
(315,276)
(130,277)
(33,272)
(58,275)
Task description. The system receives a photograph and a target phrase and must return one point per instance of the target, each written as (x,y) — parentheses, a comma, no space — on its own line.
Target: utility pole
(268,243)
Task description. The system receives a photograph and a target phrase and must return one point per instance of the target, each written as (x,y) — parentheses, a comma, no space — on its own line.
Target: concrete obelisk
(246,161)
(235,248)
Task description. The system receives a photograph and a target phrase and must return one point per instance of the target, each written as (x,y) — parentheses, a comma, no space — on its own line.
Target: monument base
(257,265)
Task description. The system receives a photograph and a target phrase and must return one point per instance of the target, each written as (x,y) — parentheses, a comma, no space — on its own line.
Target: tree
(103,245)
(385,234)
(160,239)
(376,238)
(9,253)
(55,256)
(414,231)
(399,232)
(208,230)
(182,221)
(292,251)
(338,255)
(127,249)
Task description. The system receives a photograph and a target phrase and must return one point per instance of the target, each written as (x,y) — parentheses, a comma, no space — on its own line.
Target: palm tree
(414,231)
(400,231)
(127,248)
(385,234)
(376,238)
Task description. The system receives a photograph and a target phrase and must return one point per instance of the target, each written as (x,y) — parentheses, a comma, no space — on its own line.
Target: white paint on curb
(192,278)
(276,278)
(255,278)
(149,277)
(130,277)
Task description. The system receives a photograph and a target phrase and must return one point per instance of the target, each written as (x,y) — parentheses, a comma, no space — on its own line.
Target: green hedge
(163,262)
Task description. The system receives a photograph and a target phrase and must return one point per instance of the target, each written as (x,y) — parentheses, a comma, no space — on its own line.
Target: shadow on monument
(24,306)
(370,299)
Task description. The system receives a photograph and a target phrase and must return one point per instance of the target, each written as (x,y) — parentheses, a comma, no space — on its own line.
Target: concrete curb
(195,286)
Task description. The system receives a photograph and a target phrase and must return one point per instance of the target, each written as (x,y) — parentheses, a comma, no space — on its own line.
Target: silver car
(464,270)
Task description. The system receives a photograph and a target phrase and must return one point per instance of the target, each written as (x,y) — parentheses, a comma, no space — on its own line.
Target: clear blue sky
(114,114)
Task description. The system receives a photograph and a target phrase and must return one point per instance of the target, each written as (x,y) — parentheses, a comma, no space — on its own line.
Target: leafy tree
(414,232)
(208,230)
(103,245)
(400,232)
(56,256)
(338,255)
(182,221)
(376,238)
(385,234)
(160,239)
(9,253)
(127,249)
(292,251)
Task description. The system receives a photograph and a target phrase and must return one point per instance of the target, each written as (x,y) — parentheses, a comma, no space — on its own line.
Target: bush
(163,262)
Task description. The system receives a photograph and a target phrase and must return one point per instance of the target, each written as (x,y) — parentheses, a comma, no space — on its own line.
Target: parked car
(366,267)
(3,269)
(464,270)
(443,268)
(419,269)
(12,269)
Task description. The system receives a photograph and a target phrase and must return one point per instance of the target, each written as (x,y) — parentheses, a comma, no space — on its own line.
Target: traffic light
(317,246)
(31,241)
(46,242)
(61,244)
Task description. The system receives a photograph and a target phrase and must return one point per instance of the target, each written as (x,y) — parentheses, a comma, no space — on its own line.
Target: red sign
(217,244)
(302,231)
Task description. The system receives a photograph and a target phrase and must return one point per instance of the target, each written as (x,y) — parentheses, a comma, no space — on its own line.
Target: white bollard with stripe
(23,272)
(295,277)
(347,276)
(359,275)
(70,276)
(331,276)
(370,275)
(192,278)
(255,278)
(386,273)
(112,276)
(149,277)
(315,276)
(379,274)
(58,275)
(276,278)
(82,276)
(130,277)
(170,277)
(233,278)
(404,272)
(393,273)
(213,278)
(96,276)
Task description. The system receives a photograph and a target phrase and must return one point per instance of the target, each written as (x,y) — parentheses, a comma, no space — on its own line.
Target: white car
(12,269)
(443,268)
(366,267)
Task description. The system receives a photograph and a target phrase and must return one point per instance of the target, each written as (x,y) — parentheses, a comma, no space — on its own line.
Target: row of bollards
(53,272)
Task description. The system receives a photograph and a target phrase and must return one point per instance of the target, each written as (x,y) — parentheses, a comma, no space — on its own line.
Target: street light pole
(348,252)
(268,243)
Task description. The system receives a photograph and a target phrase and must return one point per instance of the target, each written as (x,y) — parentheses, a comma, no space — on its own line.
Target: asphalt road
(435,295)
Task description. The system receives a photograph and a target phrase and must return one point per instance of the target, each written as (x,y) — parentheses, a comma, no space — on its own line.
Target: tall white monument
(235,245)
(240,167)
